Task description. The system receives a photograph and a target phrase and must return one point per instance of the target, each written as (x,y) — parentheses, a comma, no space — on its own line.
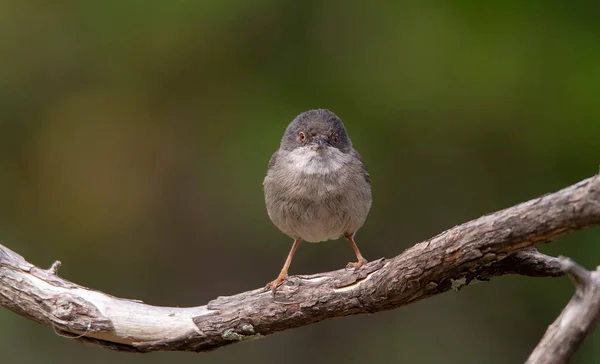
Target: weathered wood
(576,321)
(495,244)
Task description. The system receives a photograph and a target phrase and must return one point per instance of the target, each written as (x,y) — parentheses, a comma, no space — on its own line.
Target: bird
(317,187)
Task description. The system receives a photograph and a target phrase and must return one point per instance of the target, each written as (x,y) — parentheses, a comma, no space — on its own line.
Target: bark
(576,321)
(492,245)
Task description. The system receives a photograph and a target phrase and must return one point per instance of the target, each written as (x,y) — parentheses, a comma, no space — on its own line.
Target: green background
(134,137)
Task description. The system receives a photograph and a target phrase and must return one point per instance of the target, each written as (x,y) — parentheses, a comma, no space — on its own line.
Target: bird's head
(316,130)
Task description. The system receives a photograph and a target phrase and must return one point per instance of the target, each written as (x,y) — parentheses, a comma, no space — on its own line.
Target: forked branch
(576,321)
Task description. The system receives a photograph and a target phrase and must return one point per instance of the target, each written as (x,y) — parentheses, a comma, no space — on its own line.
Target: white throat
(320,162)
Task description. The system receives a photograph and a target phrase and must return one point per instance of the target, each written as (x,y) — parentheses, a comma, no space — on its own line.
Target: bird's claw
(273,285)
(356,265)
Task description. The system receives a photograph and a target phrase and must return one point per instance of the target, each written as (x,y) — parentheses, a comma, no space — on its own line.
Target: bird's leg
(283,274)
(360,260)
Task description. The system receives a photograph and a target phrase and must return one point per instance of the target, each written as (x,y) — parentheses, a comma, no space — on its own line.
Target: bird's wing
(272,161)
(363,167)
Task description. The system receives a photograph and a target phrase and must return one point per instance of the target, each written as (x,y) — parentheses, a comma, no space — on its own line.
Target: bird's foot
(273,285)
(356,265)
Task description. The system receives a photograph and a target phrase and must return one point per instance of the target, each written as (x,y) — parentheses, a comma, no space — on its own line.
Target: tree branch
(492,245)
(576,321)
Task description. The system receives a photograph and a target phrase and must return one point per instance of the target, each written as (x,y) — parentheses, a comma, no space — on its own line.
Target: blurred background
(134,138)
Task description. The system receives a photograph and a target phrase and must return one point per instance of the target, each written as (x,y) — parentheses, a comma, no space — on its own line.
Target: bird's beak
(319,143)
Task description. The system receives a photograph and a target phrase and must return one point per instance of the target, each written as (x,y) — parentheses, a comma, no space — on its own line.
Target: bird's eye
(301,136)
(334,139)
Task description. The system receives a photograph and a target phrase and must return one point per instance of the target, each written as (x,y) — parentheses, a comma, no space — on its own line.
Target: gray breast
(317,197)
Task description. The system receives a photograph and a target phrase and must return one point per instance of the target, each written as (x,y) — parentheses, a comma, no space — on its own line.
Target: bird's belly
(318,223)
(316,207)
(317,214)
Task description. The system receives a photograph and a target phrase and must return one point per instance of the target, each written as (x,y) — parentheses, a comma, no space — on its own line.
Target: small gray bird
(317,187)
